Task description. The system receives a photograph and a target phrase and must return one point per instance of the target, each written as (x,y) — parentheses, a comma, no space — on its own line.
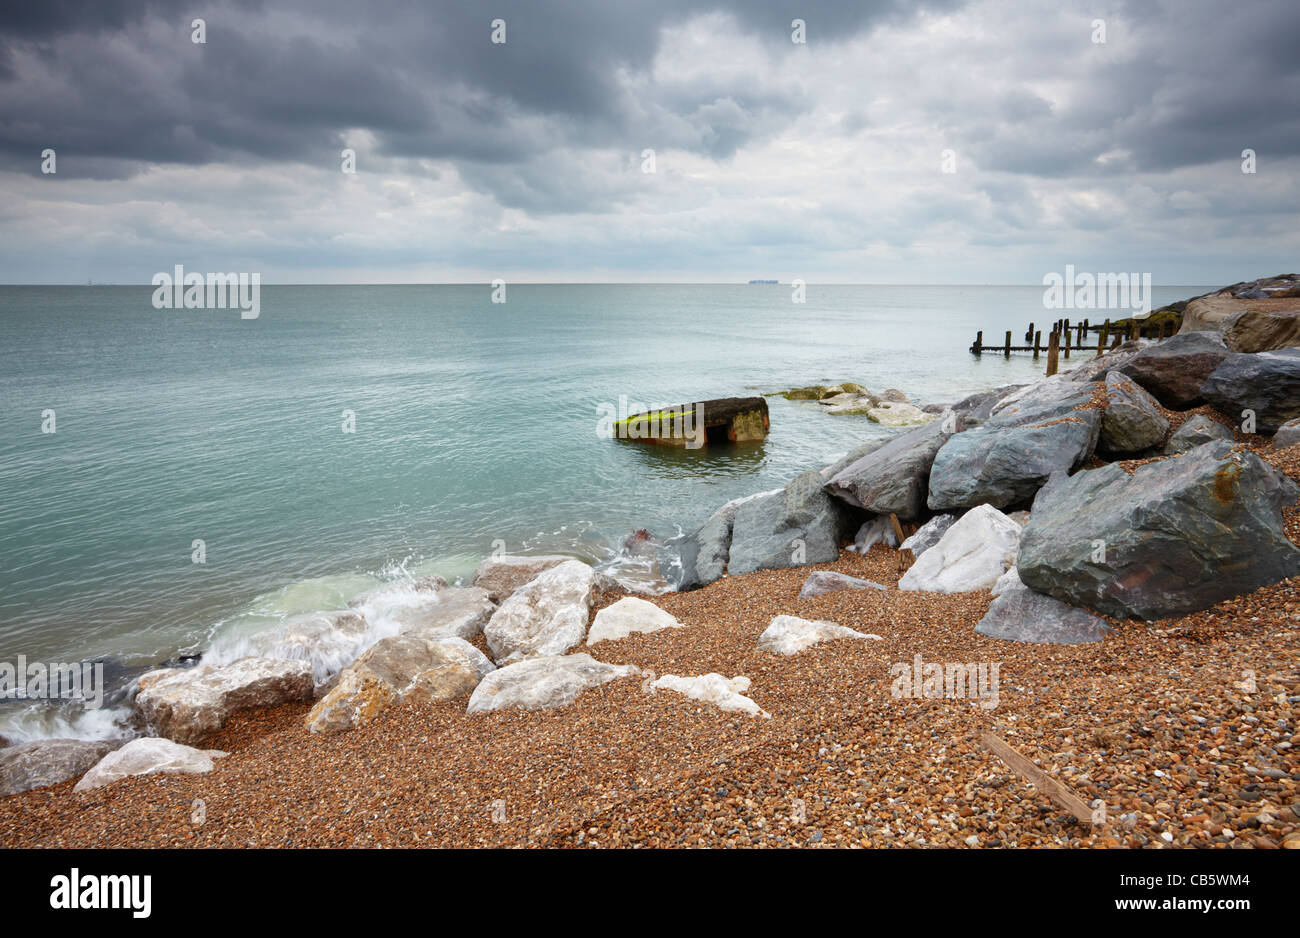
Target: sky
(991,141)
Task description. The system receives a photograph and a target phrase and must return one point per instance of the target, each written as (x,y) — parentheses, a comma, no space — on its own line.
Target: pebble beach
(1184,729)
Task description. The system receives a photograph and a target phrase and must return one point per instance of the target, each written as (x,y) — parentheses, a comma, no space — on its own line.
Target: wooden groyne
(1064,336)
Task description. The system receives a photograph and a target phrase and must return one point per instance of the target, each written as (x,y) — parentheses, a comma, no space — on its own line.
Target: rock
(1209,313)
(976,408)
(842,405)
(1175,369)
(799,525)
(48,762)
(821,582)
(819,392)
(853,456)
(878,530)
(1267,383)
(629,615)
(1132,421)
(187,705)
(1178,535)
(894,395)
(442,668)
(789,635)
(1019,614)
(1256,330)
(1006,461)
(326,641)
(892,478)
(1043,393)
(700,558)
(544,617)
(641,543)
(971,555)
(502,575)
(899,414)
(1008,581)
(544,683)
(1288,434)
(148,755)
(928,534)
(724,693)
(1195,430)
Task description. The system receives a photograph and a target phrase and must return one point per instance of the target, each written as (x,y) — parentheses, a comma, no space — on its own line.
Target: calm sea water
(475,422)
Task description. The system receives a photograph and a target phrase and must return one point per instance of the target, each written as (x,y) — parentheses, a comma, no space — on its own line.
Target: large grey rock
(1177,535)
(443,668)
(1175,369)
(1288,434)
(544,683)
(700,558)
(1255,330)
(502,574)
(971,555)
(1019,614)
(546,616)
(1008,459)
(1195,431)
(1132,421)
(821,582)
(148,755)
(854,455)
(186,705)
(1267,383)
(892,478)
(928,534)
(799,525)
(48,762)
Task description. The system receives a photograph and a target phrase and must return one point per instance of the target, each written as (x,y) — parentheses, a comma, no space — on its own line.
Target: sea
(177,481)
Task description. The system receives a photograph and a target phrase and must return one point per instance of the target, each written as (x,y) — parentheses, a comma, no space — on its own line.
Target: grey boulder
(892,478)
(1019,614)
(1176,536)
(1133,421)
(1007,460)
(1266,382)
(1175,369)
(1288,434)
(799,525)
(1195,431)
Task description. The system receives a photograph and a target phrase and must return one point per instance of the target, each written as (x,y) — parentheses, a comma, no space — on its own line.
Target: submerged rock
(546,616)
(799,525)
(899,414)
(724,693)
(502,575)
(48,762)
(544,683)
(629,615)
(187,705)
(971,555)
(148,755)
(1019,614)
(1195,431)
(1174,537)
(789,635)
(1267,383)
(821,582)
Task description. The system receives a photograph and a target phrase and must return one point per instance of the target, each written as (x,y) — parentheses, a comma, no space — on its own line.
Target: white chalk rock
(502,575)
(544,683)
(187,704)
(724,693)
(789,635)
(629,615)
(149,755)
(972,554)
(546,616)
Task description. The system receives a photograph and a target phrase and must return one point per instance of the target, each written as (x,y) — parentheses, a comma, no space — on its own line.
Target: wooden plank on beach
(1057,791)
